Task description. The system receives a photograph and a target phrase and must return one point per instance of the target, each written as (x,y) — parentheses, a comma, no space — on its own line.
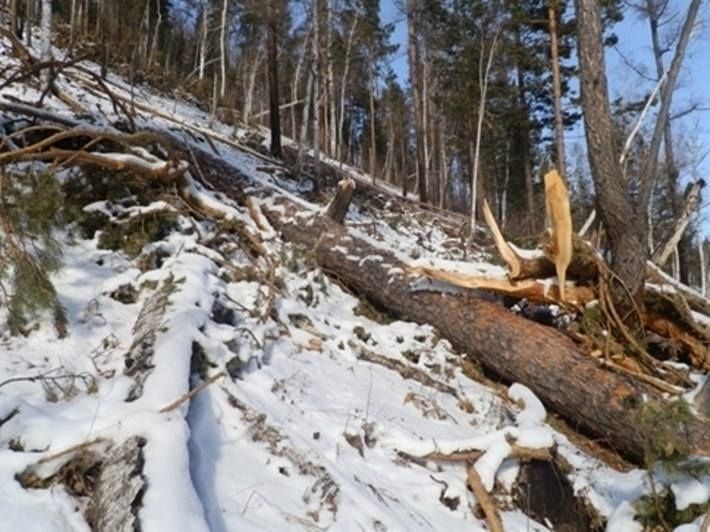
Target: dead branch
(484,500)
(193,392)
(518,452)
(69,450)
(692,200)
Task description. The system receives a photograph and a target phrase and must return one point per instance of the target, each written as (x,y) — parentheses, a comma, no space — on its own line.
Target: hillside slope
(317,407)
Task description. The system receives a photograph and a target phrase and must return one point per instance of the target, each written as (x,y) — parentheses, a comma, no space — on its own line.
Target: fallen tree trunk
(569,382)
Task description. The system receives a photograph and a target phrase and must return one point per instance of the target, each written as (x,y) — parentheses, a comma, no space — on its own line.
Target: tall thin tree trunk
(296,79)
(415,80)
(343,86)
(156,34)
(373,140)
(443,164)
(203,43)
(703,272)
(223,51)
(46,31)
(524,134)
(316,89)
(72,22)
(29,21)
(425,123)
(13,17)
(556,84)
(274,111)
(330,81)
(305,119)
(483,75)
(251,84)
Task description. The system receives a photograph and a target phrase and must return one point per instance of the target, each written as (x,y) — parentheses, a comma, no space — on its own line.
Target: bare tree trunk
(525,144)
(692,201)
(251,85)
(504,195)
(156,34)
(296,79)
(703,271)
(316,87)
(425,124)
(443,164)
(373,139)
(274,111)
(46,28)
(13,17)
(29,20)
(625,224)
(483,83)
(223,50)
(556,84)
(203,43)
(330,80)
(343,85)
(415,79)
(302,138)
(653,19)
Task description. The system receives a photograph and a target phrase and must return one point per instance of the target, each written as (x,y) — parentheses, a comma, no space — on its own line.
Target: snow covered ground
(320,406)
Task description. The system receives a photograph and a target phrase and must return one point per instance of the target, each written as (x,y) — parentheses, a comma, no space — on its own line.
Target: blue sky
(635,45)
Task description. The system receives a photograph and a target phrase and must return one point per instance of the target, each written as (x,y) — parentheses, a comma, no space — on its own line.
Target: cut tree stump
(600,402)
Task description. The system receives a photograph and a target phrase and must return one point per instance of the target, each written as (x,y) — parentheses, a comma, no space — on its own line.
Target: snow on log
(568,381)
(119,489)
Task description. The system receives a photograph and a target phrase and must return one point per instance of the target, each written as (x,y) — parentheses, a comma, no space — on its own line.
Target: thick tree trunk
(626,225)
(570,382)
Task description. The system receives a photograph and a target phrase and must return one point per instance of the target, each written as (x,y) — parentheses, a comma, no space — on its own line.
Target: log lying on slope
(563,377)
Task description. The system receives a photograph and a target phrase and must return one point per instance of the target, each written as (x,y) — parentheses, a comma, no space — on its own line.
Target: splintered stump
(574,385)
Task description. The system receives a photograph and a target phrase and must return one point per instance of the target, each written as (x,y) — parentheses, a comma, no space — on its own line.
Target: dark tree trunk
(274,112)
(626,225)
(524,136)
(415,77)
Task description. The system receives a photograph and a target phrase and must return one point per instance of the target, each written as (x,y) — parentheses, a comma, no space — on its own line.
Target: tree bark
(556,84)
(415,77)
(626,225)
(120,485)
(223,51)
(524,134)
(274,111)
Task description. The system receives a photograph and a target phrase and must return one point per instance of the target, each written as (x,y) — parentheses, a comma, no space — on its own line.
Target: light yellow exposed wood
(560,218)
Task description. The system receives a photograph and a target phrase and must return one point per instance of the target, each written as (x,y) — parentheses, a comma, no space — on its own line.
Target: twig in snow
(189,395)
(69,450)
